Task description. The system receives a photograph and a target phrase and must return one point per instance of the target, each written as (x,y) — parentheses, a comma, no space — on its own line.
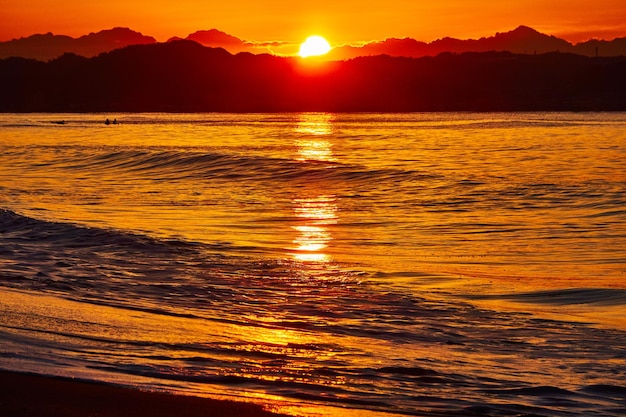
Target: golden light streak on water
(316,213)
(318,124)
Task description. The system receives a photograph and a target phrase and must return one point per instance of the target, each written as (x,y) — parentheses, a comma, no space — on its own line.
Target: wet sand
(25,395)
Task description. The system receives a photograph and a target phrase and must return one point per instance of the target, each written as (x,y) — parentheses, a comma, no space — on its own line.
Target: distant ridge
(184,76)
(48,46)
(216,39)
(522,40)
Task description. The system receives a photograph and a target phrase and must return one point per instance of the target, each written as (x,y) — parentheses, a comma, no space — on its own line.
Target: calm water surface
(349,264)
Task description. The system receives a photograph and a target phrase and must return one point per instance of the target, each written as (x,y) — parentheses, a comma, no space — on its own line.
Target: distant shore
(185,77)
(27,395)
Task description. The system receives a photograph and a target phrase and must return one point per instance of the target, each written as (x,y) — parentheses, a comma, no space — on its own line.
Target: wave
(566,296)
(162,164)
(272,326)
(20,229)
(171,277)
(103,266)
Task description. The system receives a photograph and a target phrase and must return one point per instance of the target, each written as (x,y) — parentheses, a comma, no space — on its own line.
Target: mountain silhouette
(49,46)
(184,76)
(217,39)
(522,40)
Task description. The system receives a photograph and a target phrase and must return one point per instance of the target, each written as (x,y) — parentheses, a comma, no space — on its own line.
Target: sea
(420,264)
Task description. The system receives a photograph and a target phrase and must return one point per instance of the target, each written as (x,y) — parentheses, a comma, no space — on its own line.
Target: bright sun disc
(314,46)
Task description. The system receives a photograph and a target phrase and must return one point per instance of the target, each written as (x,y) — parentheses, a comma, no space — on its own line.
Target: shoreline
(29,395)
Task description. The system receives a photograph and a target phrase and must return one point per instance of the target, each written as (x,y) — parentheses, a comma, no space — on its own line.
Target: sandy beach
(24,395)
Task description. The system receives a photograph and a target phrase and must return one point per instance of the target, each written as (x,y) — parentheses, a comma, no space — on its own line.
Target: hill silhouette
(217,39)
(522,40)
(183,76)
(49,46)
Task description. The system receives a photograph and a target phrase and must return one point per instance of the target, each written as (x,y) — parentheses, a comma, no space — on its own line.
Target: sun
(314,46)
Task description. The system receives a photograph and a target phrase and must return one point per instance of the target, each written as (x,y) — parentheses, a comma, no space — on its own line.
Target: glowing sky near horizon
(347,21)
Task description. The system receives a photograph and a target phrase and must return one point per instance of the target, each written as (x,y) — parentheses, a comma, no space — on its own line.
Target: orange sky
(340,21)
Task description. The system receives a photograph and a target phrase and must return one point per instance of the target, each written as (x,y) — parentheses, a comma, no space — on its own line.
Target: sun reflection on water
(316,211)
(314,150)
(315,215)
(313,146)
(318,124)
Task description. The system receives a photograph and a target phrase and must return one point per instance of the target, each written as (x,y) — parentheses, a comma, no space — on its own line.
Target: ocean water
(444,264)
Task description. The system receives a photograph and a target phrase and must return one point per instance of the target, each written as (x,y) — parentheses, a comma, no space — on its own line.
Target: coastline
(197,79)
(27,395)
